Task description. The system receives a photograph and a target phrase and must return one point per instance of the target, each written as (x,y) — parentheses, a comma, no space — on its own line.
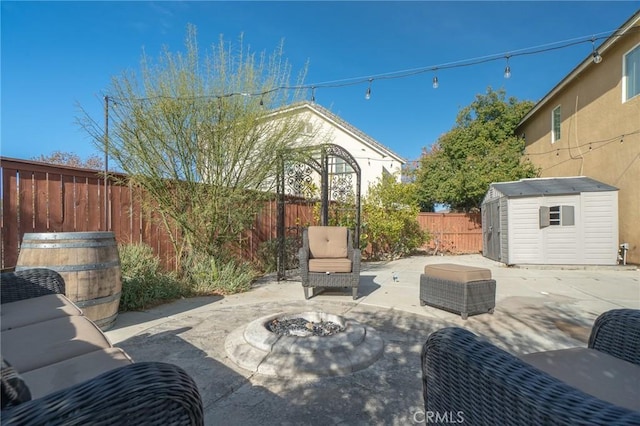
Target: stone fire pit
(321,345)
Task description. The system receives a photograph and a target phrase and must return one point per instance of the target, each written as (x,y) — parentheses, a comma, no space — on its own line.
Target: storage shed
(566,220)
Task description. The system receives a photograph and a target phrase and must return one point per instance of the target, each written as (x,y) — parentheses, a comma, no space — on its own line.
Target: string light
(596,55)
(507,70)
(591,145)
(435,82)
(313,93)
(597,58)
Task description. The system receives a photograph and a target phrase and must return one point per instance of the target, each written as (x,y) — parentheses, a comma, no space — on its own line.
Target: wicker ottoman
(461,289)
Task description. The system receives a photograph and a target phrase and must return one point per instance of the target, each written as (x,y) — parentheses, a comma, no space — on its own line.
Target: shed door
(491,230)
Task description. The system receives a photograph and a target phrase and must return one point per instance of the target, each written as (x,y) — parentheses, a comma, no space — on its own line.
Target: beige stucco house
(323,126)
(589,125)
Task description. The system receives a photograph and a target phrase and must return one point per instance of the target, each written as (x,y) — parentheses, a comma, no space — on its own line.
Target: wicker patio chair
(469,378)
(30,283)
(144,393)
(328,259)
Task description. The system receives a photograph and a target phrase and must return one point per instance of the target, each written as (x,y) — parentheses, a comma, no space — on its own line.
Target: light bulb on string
(435,82)
(313,94)
(596,55)
(367,95)
(507,70)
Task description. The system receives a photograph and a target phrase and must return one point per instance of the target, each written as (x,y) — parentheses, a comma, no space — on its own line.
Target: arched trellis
(335,168)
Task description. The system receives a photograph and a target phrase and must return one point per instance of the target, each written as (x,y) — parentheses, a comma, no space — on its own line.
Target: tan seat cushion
(56,340)
(329,265)
(37,309)
(458,273)
(596,373)
(61,375)
(327,242)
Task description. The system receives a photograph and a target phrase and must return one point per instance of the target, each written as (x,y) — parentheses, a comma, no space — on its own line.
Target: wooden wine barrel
(88,262)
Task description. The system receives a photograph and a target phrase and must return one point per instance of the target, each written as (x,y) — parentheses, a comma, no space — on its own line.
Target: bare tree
(71,159)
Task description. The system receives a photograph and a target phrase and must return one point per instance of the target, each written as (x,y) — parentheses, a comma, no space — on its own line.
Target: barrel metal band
(68,245)
(106,322)
(74,268)
(98,301)
(68,235)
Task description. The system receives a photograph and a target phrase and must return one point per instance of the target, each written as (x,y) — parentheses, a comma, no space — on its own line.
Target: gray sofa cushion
(596,373)
(69,372)
(37,309)
(36,345)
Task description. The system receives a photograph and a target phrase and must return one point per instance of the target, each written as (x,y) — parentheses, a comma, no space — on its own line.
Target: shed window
(631,77)
(557,216)
(555,124)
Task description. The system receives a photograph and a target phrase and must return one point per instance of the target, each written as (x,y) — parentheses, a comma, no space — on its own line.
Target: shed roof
(551,186)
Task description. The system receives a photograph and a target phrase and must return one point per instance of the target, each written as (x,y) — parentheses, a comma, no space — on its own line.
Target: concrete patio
(537,309)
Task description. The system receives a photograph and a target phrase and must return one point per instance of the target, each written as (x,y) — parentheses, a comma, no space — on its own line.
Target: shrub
(390,227)
(268,254)
(207,275)
(138,260)
(143,284)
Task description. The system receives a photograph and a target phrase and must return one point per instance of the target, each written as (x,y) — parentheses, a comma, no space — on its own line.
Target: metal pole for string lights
(106,161)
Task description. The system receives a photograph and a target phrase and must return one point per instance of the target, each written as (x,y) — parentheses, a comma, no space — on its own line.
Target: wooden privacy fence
(455,233)
(40,197)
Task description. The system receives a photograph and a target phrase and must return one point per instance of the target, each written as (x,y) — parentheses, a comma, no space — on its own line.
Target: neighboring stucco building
(589,125)
(373,158)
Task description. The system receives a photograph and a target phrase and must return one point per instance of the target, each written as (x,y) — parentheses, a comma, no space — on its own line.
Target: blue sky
(56,55)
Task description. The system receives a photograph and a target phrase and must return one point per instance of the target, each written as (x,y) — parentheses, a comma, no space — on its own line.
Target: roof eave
(338,122)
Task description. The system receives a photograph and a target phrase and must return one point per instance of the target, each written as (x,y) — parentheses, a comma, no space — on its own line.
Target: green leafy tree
(203,133)
(480,149)
(71,159)
(390,227)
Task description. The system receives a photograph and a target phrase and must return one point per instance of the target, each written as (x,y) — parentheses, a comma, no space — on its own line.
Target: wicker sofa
(328,259)
(467,378)
(63,370)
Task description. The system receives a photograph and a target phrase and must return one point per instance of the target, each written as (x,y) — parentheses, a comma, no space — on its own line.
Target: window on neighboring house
(308,128)
(340,166)
(557,216)
(631,77)
(555,124)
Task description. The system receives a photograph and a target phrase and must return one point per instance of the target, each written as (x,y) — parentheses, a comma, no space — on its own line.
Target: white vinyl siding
(600,227)
(560,243)
(631,77)
(591,239)
(525,238)
(556,120)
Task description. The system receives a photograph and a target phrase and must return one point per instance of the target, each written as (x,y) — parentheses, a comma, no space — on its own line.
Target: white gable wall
(373,163)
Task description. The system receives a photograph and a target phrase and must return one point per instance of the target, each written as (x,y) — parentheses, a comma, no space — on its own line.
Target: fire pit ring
(256,348)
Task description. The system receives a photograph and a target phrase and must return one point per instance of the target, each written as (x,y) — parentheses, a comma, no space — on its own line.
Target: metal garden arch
(339,176)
